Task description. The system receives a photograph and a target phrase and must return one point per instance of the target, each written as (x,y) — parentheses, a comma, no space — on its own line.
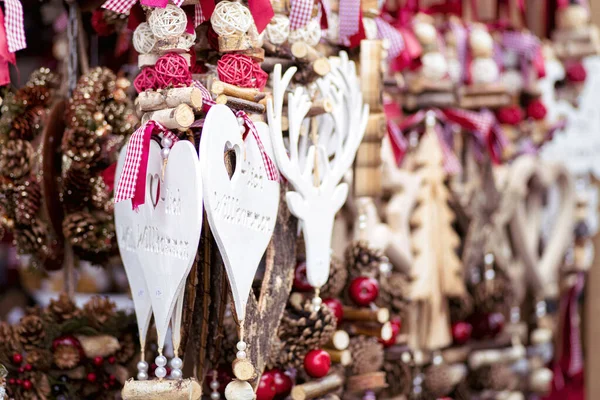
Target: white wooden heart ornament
(169,233)
(127,222)
(241,211)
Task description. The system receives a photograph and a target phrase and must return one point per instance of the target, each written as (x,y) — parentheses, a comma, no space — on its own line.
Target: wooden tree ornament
(437,272)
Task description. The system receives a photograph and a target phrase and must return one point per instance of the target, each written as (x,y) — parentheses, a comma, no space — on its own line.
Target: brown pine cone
(90,234)
(34,95)
(43,77)
(302,329)
(39,359)
(461,308)
(15,158)
(362,260)
(63,309)
(28,199)
(77,187)
(31,331)
(101,197)
(492,377)
(394,292)
(82,145)
(41,386)
(493,295)
(119,116)
(338,275)
(398,378)
(439,380)
(367,355)
(99,310)
(30,239)
(9,340)
(128,349)
(66,356)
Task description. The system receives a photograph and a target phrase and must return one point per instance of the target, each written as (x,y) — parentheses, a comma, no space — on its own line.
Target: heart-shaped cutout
(241,211)
(154,187)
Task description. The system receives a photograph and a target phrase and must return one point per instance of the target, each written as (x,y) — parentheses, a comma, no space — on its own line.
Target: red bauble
(536,110)
(317,363)
(511,115)
(17,358)
(28,367)
(26,384)
(21,370)
(396,326)
(98,361)
(300,280)
(283,383)
(461,332)
(363,290)
(12,381)
(495,323)
(576,73)
(112,360)
(91,377)
(335,305)
(266,387)
(69,341)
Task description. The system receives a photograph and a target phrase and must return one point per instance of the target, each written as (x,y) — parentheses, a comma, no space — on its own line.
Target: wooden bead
(239,390)
(343,357)
(364,382)
(180,117)
(156,100)
(381,315)
(243,369)
(162,390)
(317,388)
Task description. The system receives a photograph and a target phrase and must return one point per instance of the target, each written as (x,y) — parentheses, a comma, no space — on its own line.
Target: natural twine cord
(229,18)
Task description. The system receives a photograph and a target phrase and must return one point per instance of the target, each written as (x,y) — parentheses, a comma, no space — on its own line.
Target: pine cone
(398,378)
(30,239)
(28,199)
(90,234)
(493,295)
(63,309)
(127,350)
(15,158)
(439,381)
(99,310)
(43,77)
(338,275)
(302,329)
(101,197)
(492,377)
(460,308)
(31,331)
(77,187)
(39,359)
(393,293)
(362,260)
(66,356)
(9,340)
(82,145)
(34,95)
(367,355)
(41,385)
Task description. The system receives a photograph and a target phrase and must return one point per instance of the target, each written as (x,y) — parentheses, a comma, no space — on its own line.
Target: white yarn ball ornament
(187,40)
(229,18)
(370,28)
(278,30)
(143,38)
(481,43)
(512,80)
(310,34)
(333,28)
(167,22)
(425,33)
(454,70)
(434,65)
(484,70)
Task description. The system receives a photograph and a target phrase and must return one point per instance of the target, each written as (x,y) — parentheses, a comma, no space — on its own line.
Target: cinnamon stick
(240,104)
(313,389)
(381,315)
(250,94)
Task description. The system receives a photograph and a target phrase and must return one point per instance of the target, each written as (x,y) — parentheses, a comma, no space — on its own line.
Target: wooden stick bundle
(340,340)
(306,53)
(186,389)
(379,331)
(250,94)
(343,357)
(381,315)
(240,104)
(313,389)
(151,100)
(180,117)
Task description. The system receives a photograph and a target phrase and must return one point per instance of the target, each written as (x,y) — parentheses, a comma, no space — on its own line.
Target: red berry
(461,332)
(112,378)
(363,290)
(283,383)
(112,360)
(106,385)
(12,381)
(576,73)
(266,387)
(335,305)
(91,377)
(317,363)
(27,384)
(21,370)
(300,280)
(396,326)
(17,358)
(98,361)
(28,367)
(19,382)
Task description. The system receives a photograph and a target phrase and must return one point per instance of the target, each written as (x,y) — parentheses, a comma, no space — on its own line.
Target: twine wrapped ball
(229,18)
(484,70)
(434,66)
(426,33)
(172,70)
(167,22)
(146,80)
(573,16)
(187,40)
(310,34)
(143,39)
(240,70)
(481,43)
(278,30)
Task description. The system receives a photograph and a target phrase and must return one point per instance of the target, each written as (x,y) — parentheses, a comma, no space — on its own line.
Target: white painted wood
(241,211)
(127,222)
(316,204)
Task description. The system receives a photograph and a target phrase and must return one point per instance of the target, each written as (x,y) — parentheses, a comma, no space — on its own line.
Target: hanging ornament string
(241,70)
(132,184)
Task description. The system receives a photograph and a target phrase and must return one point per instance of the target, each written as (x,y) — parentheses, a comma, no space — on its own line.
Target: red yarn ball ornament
(146,80)
(576,73)
(511,115)
(172,70)
(536,110)
(241,70)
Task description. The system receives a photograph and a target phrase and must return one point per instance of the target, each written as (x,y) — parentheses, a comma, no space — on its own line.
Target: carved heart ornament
(166,231)
(241,211)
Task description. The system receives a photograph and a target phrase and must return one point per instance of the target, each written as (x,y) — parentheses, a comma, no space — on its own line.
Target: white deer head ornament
(315,175)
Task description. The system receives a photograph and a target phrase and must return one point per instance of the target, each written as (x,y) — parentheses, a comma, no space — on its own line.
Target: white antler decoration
(318,192)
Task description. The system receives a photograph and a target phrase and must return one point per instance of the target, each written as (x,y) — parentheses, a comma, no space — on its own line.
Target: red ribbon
(262,12)
(6,56)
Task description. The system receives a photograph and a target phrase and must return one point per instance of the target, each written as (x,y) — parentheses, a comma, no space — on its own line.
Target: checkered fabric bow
(387,31)
(123,6)
(132,183)
(270,168)
(13,24)
(300,12)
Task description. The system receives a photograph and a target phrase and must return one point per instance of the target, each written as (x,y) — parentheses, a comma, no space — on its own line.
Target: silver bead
(176,373)
(176,363)
(214,385)
(215,396)
(242,129)
(240,120)
(161,361)
(166,142)
(142,376)
(160,372)
(164,152)
(142,366)
(240,354)
(241,345)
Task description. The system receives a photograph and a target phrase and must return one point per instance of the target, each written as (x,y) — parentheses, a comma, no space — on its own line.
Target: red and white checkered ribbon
(132,183)
(460,35)
(300,12)
(198,15)
(14,26)
(387,31)
(349,18)
(270,168)
(123,6)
